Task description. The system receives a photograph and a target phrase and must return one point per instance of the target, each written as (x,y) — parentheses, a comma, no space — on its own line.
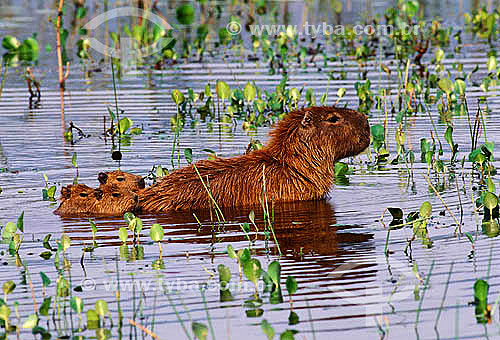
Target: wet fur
(81,200)
(123,180)
(297,162)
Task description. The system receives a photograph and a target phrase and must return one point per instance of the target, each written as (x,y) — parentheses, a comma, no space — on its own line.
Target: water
(335,249)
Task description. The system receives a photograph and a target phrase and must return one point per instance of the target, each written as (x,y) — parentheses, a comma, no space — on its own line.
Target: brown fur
(123,180)
(79,199)
(298,163)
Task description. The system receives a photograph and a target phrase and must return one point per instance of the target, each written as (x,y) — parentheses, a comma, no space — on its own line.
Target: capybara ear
(307,119)
(98,193)
(103,177)
(141,183)
(66,192)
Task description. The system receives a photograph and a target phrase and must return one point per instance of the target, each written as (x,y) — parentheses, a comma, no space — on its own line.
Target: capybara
(296,164)
(79,199)
(124,180)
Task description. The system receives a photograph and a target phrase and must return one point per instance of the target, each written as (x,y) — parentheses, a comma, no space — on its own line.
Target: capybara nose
(142,184)
(102,177)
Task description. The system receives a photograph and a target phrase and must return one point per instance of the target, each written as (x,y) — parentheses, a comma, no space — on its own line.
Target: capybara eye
(333,119)
(120,179)
(116,194)
(83,194)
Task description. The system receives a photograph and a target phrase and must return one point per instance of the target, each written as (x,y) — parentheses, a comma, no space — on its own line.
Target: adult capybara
(123,180)
(81,200)
(296,164)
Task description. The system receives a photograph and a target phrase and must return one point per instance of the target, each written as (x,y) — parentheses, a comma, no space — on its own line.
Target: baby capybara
(297,164)
(123,180)
(79,199)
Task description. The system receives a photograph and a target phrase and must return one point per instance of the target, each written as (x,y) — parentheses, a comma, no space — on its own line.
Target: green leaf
(244,255)
(10,43)
(469,237)
(446,85)
(490,201)
(250,92)
(123,234)
(295,95)
(492,63)
(9,230)
(45,279)
(341,92)
(439,55)
(178,97)
(491,186)
(287,335)
(73,160)
(481,289)
(291,285)
(224,273)
(268,329)
(128,217)
(44,309)
(341,169)
(185,14)
(322,99)
(397,213)
(400,137)
(125,124)
(378,132)
(448,136)
(200,330)
(76,304)
(101,308)
(230,252)
(274,272)
(426,210)
(411,8)
(138,225)
(223,90)
(31,321)
(8,287)
(460,86)
(293,318)
(65,241)
(4,312)
(81,12)
(252,270)
(92,315)
(188,153)
(20,222)
(93,226)
(156,232)
(51,191)
(207,91)
(28,51)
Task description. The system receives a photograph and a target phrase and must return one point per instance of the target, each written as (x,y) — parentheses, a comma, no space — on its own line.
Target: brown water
(335,249)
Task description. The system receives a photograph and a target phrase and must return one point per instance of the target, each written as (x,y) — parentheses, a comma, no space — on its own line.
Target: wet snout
(142,183)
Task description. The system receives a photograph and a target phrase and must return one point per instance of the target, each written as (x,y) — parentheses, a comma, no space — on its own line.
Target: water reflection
(302,229)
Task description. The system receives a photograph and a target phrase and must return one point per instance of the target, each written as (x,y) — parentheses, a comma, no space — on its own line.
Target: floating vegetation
(213,80)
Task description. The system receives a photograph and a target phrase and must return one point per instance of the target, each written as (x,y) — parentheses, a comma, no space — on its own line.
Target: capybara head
(115,200)
(322,133)
(123,180)
(79,199)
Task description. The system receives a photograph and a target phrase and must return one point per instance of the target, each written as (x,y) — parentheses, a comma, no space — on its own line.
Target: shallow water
(335,249)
